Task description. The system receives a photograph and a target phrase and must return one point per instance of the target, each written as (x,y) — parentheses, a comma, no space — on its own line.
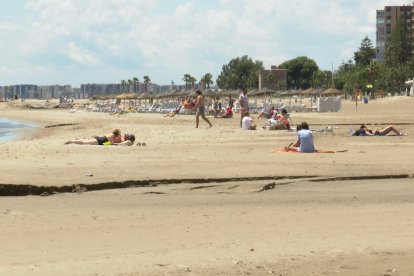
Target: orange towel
(316,151)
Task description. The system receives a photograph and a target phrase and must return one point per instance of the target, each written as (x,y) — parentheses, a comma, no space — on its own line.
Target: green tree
(123,84)
(135,80)
(147,80)
(319,79)
(240,72)
(270,81)
(206,80)
(300,71)
(192,80)
(187,79)
(365,53)
(130,83)
(398,47)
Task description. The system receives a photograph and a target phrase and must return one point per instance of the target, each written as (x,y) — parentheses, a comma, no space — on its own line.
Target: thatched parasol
(263,91)
(144,96)
(331,92)
(308,91)
(209,93)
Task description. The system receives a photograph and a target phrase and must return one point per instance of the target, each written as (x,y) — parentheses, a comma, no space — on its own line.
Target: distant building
(275,78)
(386,22)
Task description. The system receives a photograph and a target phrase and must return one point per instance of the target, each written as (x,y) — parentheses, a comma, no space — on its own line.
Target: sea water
(9,129)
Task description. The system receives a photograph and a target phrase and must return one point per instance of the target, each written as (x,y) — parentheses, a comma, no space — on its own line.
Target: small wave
(9,128)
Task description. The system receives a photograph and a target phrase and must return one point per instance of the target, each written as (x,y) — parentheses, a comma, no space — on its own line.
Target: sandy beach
(207,201)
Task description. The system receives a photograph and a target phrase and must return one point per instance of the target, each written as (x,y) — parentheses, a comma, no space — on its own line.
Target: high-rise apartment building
(386,22)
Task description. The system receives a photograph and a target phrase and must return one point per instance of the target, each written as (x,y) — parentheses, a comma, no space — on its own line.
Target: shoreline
(12,128)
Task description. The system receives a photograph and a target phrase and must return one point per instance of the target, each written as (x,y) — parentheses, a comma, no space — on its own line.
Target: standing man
(244,105)
(199,105)
(231,102)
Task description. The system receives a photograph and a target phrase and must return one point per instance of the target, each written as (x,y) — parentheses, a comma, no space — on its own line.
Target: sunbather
(116,138)
(363,130)
(174,112)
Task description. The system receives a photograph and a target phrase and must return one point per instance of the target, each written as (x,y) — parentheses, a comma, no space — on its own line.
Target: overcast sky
(104,41)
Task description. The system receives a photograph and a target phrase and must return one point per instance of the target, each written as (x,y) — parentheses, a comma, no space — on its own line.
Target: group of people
(304,142)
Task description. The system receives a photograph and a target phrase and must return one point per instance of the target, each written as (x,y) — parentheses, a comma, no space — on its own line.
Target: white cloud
(80,55)
(140,37)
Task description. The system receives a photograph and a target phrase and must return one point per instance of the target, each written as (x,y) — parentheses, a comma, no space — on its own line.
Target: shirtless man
(199,105)
(244,105)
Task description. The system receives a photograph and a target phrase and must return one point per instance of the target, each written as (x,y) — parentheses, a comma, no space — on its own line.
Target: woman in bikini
(363,130)
(116,138)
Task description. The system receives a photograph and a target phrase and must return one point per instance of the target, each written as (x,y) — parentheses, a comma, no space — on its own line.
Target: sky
(73,42)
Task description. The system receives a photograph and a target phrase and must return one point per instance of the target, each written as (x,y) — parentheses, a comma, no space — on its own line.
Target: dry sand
(215,219)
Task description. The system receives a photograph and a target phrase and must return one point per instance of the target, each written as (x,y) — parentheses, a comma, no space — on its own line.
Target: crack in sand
(26,189)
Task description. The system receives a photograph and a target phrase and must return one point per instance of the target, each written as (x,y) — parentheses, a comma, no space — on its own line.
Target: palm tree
(192,80)
(186,79)
(130,82)
(123,84)
(135,80)
(206,80)
(147,80)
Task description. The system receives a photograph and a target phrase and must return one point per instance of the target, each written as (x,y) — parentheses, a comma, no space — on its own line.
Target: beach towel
(316,151)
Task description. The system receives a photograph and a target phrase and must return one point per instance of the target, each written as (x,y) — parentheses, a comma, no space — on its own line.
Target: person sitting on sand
(174,112)
(304,142)
(363,130)
(279,121)
(116,138)
(228,114)
(247,122)
(268,114)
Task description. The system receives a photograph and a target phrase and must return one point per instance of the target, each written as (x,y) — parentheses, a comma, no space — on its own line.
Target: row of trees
(205,81)
(358,73)
(364,71)
(302,72)
(134,82)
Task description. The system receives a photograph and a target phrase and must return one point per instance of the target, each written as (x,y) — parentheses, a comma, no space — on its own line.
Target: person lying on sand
(116,138)
(364,131)
(174,112)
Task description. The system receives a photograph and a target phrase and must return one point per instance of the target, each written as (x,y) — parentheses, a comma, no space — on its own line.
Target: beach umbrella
(235,93)
(332,91)
(143,96)
(308,92)
(121,96)
(263,91)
